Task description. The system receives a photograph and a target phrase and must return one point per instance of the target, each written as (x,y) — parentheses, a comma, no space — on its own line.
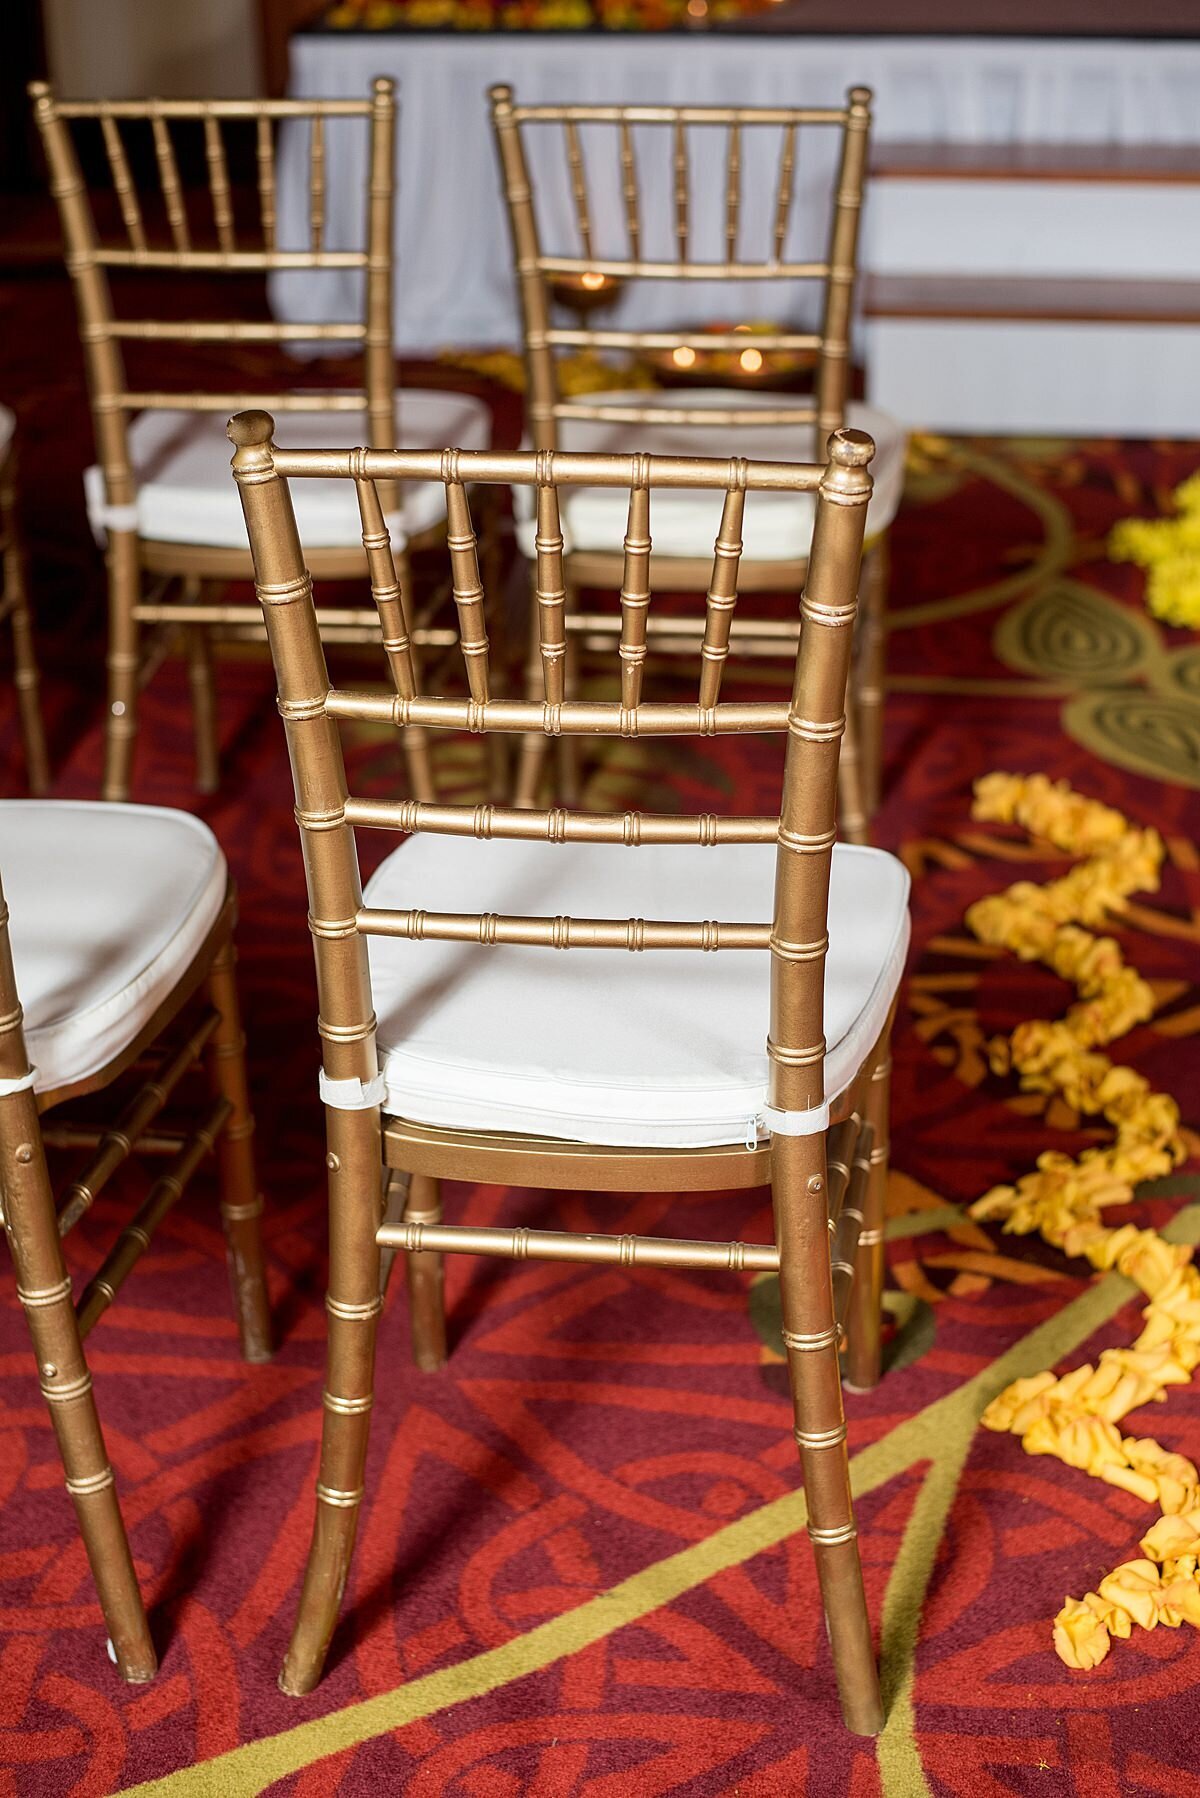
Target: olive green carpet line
(948,1427)
(939,1435)
(920,1223)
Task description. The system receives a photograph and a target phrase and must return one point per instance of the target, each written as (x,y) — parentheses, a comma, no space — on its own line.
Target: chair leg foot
(355,1163)
(799,1184)
(44,1292)
(241,1202)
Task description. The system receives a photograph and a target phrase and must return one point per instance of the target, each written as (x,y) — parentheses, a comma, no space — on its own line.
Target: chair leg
(198,642)
(864,1325)
(852,811)
(872,669)
(426,1285)
(241,1201)
(120,728)
(800,1201)
(25,668)
(44,1291)
(353,1305)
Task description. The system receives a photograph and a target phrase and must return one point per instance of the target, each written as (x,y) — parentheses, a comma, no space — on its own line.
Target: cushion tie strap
(352,1094)
(115,518)
(813,1122)
(21,1084)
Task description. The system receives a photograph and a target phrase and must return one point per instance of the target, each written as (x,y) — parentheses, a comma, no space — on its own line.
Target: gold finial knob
(850,448)
(247,429)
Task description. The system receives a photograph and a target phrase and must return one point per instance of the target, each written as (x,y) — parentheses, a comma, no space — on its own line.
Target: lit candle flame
(683,355)
(750,361)
(592,280)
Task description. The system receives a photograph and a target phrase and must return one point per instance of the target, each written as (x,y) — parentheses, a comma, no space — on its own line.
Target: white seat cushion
(186,493)
(109,905)
(778,526)
(663,1048)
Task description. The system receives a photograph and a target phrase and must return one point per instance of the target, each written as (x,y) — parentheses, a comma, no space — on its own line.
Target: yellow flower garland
(1075,1418)
(1169,550)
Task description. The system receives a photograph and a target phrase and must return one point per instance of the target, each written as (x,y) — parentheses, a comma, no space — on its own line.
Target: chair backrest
(160,231)
(797,935)
(671,255)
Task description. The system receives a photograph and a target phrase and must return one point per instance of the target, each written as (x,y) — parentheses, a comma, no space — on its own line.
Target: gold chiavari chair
(450,1053)
(697,420)
(120,916)
(14,605)
(159,493)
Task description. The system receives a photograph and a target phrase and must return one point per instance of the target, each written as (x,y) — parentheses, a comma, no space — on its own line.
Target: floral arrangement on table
(534,15)
(1169,550)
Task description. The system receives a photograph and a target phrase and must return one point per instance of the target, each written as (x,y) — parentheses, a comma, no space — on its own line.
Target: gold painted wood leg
(865,1322)
(800,1201)
(354,1302)
(872,669)
(424,1273)
(120,725)
(25,668)
(852,811)
(44,1291)
(241,1201)
(204,695)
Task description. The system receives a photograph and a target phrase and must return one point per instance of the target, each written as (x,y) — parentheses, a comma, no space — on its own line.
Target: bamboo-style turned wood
(562,1245)
(557,826)
(316,183)
(635,596)
(135,1238)
(579,187)
(783,193)
(492,928)
(218,182)
(520,131)
(722,597)
(550,595)
(468,589)
(125,1136)
(16,609)
(733,190)
(573,718)
(185,248)
(629,191)
(123,182)
(33,1232)
(808,1195)
(264,157)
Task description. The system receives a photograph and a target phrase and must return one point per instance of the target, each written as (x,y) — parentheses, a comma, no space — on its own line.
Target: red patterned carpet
(581,1569)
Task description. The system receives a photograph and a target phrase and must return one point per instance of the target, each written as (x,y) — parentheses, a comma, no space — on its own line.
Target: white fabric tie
(794,1123)
(352,1094)
(115,518)
(20,1085)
